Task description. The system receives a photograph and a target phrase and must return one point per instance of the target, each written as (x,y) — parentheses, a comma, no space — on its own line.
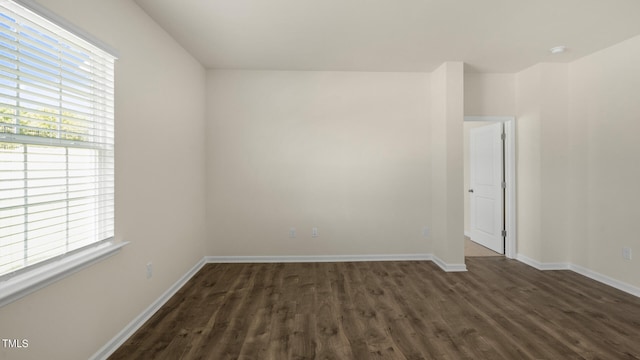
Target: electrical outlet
(149,270)
(314,232)
(626,253)
(292,233)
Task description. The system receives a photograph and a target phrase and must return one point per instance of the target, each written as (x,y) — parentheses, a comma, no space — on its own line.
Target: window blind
(56,141)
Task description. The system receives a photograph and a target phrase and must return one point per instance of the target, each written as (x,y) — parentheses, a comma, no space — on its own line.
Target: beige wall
(604,157)
(577,156)
(489,94)
(347,152)
(554,156)
(159,185)
(528,160)
(542,132)
(447,101)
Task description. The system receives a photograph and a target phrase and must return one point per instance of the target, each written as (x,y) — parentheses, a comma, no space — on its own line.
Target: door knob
(470,190)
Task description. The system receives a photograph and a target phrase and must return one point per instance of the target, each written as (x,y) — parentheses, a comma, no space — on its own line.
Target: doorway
(492,193)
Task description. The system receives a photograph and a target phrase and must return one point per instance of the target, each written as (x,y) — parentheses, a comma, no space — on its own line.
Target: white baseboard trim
(467,234)
(449,267)
(317,258)
(630,289)
(110,347)
(423,257)
(542,266)
(337,258)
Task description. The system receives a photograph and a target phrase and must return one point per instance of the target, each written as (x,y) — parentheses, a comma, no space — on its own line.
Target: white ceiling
(392,35)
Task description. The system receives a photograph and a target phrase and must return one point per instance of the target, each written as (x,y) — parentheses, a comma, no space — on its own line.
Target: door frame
(509,122)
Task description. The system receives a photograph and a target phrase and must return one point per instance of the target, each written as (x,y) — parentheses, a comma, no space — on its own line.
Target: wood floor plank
(284,310)
(506,317)
(354,312)
(548,306)
(303,332)
(331,342)
(499,309)
(255,344)
(225,294)
(233,326)
(379,342)
(396,312)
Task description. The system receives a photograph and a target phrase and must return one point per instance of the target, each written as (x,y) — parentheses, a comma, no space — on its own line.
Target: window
(56,142)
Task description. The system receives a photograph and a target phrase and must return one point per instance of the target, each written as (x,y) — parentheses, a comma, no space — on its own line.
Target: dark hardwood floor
(499,309)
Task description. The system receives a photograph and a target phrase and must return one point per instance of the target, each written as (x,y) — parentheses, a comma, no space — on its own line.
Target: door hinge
(503,136)
(504,184)
(504,233)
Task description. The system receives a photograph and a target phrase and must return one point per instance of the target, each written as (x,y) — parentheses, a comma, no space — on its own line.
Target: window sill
(21,285)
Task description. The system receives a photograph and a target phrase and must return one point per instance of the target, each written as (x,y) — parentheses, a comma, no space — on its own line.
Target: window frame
(24,281)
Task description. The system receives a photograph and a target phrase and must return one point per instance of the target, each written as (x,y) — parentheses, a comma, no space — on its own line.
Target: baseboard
(317,258)
(630,289)
(110,347)
(467,234)
(337,258)
(542,266)
(449,267)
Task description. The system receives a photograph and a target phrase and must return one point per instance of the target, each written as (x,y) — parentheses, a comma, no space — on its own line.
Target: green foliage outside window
(46,123)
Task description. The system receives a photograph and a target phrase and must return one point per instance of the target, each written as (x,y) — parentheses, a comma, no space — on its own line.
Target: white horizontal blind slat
(56,141)
(71,65)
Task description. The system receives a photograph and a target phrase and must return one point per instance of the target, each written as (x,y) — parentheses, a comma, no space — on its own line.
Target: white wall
(605,162)
(347,152)
(159,185)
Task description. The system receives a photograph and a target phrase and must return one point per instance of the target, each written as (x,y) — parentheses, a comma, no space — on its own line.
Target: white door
(486,194)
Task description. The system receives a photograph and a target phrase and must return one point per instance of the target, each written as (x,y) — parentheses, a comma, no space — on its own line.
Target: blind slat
(29,82)
(88,108)
(11,39)
(57,63)
(14,218)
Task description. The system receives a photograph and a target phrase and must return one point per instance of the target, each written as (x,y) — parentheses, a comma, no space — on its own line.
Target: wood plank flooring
(499,309)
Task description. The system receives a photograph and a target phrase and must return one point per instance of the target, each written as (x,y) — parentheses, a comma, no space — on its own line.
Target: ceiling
(492,36)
